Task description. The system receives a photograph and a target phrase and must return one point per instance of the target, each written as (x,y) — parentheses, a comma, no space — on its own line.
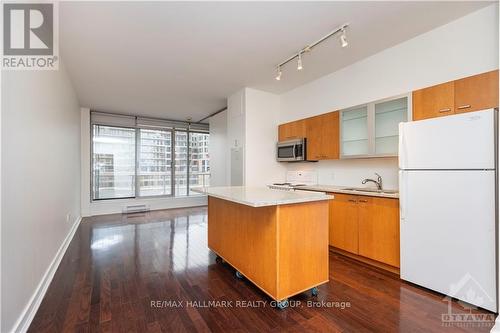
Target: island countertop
(262,196)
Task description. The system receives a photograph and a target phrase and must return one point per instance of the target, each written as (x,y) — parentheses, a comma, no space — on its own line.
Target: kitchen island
(276,239)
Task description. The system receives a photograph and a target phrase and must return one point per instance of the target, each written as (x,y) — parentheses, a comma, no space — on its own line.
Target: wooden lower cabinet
(379,229)
(343,222)
(282,249)
(367,227)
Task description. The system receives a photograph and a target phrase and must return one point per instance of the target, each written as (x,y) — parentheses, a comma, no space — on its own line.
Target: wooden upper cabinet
(469,94)
(343,222)
(435,101)
(379,229)
(476,92)
(314,138)
(292,130)
(322,133)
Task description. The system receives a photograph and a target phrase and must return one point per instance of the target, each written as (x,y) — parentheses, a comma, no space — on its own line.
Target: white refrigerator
(447,182)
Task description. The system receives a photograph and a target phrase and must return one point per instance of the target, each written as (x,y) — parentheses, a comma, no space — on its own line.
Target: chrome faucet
(377,182)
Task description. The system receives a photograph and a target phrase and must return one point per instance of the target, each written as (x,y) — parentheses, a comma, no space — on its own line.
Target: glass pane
(387,145)
(285,152)
(388,115)
(355,131)
(113,162)
(180,163)
(199,161)
(155,162)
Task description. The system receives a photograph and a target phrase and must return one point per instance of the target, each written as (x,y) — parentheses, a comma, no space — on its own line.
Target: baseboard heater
(135,209)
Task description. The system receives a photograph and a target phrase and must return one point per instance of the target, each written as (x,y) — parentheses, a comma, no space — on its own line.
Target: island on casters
(276,239)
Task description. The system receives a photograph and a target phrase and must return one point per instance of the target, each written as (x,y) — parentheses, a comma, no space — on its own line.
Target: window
(113,162)
(155,162)
(129,162)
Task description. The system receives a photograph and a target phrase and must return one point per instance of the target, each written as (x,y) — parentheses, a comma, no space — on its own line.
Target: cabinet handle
(352,200)
(444,110)
(363,200)
(464,107)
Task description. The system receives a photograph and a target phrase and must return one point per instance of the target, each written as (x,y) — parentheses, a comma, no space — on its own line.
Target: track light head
(343,39)
(278,73)
(299,62)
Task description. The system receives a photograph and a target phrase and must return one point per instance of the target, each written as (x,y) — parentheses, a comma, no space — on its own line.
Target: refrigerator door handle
(401,148)
(403,196)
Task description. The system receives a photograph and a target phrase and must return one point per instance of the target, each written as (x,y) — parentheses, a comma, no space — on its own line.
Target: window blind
(110,119)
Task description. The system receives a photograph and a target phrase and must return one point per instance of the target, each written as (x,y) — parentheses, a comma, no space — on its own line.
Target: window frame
(188,160)
(189,155)
(137,129)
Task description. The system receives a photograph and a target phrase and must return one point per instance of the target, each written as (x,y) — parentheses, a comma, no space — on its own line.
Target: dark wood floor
(120,272)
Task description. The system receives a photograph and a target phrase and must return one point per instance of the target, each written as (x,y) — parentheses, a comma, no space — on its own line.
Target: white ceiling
(182,59)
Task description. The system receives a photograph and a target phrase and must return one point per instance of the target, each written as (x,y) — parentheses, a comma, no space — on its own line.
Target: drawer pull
(464,107)
(444,110)
(363,200)
(351,200)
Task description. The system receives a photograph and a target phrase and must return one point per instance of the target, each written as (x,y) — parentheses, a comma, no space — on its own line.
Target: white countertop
(262,196)
(342,189)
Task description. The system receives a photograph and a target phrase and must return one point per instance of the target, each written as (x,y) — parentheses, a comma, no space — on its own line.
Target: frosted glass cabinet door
(388,115)
(355,131)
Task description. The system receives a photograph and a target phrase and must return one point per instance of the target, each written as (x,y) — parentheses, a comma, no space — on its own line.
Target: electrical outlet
(68,218)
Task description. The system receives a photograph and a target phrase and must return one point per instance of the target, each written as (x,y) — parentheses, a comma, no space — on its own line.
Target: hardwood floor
(120,272)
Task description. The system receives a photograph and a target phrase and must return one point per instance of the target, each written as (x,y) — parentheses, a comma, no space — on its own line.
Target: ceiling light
(278,73)
(308,48)
(343,39)
(299,61)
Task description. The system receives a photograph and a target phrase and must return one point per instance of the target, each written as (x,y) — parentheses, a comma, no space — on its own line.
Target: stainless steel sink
(360,189)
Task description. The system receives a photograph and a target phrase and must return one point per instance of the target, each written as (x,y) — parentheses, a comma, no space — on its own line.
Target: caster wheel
(239,275)
(314,291)
(219,260)
(282,304)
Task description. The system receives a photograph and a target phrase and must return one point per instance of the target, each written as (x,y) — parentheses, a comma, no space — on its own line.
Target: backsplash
(350,172)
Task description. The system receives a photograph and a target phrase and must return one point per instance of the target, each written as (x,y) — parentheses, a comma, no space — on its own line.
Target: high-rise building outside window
(113,162)
(155,162)
(131,162)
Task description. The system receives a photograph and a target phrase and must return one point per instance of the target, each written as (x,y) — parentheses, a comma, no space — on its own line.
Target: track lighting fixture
(299,61)
(278,73)
(343,39)
(308,48)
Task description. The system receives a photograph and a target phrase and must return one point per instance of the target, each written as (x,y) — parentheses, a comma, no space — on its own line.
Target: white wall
(352,172)
(40,185)
(461,48)
(252,123)
(218,144)
(235,138)
(91,208)
(261,123)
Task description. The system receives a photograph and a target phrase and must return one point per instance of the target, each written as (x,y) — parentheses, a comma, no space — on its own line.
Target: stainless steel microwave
(291,150)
